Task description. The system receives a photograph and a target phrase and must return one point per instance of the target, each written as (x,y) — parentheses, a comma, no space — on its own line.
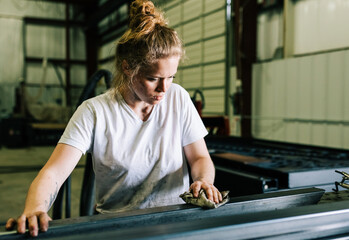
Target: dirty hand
(212,193)
(36,221)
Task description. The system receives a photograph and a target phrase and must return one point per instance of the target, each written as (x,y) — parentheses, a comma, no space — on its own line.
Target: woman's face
(150,86)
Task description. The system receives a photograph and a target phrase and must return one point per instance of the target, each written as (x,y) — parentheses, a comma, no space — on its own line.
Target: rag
(203,201)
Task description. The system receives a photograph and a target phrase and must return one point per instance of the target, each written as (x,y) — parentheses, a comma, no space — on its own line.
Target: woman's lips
(158,98)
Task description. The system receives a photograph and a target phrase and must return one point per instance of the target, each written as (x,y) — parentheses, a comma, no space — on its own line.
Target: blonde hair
(147,40)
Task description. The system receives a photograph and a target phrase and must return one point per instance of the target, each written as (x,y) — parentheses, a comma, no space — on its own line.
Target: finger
(220,197)
(209,194)
(21,222)
(44,221)
(215,196)
(195,188)
(10,224)
(33,225)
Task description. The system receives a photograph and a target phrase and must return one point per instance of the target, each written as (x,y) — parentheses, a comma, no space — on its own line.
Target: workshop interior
(267,77)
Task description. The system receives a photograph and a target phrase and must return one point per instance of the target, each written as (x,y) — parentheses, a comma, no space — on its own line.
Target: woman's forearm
(44,189)
(203,170)
(42,192)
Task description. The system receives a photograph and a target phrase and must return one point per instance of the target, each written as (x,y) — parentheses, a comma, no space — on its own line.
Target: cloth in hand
(203,201)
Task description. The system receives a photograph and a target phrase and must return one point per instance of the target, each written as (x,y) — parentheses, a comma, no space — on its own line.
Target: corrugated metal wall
(202,27)
(303,100)
(320,24)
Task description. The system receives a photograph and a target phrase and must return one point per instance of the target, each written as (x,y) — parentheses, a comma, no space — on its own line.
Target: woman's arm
(202,170)
(44,189)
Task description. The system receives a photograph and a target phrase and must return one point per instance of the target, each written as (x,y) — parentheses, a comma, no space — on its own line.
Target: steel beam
(330,221)
(155,218)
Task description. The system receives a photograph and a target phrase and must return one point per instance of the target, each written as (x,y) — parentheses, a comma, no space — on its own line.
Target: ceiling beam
(51,22)
(104,10)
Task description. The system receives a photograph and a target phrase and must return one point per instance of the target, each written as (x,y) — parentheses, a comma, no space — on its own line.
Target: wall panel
(345,127)
(346,86)
(191,77)
(302,100)
(318,134)
(192,31)
(77,44)
(173,15)
(334,136)
(292,99)
(214,101)
(319,25)
(279,103)
(305,87)
(214,49)
(41,39)
(43,9)
(78,75)
(214,24)
(194,54)
(319,96)
(192,9)
(35,74)
(335,86)
(214,75)
(211,5)
(107,50)
(269,34)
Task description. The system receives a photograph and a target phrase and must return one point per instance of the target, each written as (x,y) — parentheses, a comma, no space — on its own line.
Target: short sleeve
(193,128)
(80,129)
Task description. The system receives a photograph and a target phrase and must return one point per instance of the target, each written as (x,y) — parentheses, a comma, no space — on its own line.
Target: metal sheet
(311,222)
(238,206)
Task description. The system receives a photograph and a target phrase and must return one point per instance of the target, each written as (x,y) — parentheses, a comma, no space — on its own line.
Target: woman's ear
(126,68)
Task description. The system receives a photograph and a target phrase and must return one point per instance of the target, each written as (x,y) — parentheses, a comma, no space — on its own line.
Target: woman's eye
(156,79)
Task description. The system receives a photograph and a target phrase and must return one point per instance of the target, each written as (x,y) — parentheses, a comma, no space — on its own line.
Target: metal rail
(128,224)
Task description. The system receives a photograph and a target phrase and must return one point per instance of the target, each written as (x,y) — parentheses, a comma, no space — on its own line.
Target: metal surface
(312,222)
(293,165)
(84,227)
(241,183)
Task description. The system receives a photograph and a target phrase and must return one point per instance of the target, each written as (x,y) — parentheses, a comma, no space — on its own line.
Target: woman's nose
(163,85)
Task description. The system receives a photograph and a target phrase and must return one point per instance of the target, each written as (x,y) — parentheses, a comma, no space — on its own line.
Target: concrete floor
(18,168)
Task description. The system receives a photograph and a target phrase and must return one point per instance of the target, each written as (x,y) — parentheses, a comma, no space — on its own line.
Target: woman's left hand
(212,193)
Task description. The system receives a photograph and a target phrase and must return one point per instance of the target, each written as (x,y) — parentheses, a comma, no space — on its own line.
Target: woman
(141,134)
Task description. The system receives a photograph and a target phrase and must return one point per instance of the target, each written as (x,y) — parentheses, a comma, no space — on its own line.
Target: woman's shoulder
(177,89)
(100,101)
(102,98)
(177,95)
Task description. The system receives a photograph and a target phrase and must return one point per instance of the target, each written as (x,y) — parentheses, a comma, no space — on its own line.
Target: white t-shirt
(137,164)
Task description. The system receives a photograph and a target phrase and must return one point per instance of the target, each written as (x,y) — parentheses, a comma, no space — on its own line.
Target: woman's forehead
(163,66)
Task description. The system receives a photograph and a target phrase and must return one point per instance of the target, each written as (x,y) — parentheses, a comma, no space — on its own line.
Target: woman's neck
(141,108)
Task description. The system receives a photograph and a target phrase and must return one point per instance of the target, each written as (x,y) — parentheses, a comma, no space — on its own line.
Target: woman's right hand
(36,221)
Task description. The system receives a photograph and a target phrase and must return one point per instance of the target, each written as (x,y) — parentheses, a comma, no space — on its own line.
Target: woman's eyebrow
(157,76)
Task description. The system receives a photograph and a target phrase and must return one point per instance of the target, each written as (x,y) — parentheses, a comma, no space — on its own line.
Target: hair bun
(144,14)
(143,7)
